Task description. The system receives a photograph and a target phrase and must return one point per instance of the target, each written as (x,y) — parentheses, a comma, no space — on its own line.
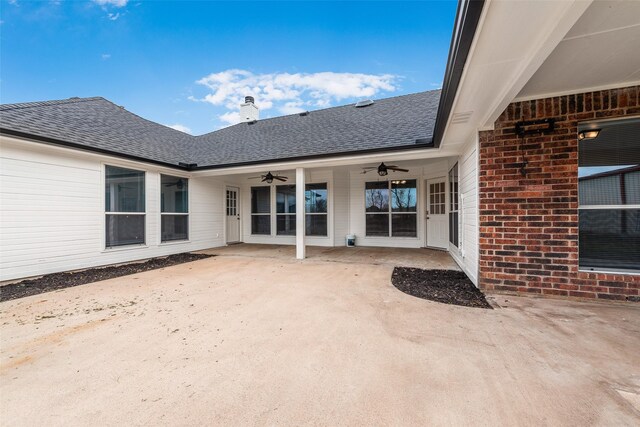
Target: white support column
(300,205)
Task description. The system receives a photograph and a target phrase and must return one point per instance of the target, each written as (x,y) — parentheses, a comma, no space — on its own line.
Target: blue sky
(189,63)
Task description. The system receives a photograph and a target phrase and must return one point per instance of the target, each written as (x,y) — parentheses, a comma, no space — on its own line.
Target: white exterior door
(233,215)
(437,227)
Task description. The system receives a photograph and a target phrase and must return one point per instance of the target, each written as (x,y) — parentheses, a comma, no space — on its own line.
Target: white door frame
(238,215)
(427,213)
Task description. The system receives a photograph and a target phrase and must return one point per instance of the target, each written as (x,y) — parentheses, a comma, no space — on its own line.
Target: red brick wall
(529,225)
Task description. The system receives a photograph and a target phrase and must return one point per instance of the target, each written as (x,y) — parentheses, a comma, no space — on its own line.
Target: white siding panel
(341,205)
(467,254)
(52,211)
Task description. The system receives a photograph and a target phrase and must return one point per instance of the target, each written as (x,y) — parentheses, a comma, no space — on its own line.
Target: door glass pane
(124,190)
(403,195)
(260,200)
(315,197)
(377,196)
(174,194)
(175,227)
(124,230)
(404,225)
(377,225)
(436,198)
(231,203)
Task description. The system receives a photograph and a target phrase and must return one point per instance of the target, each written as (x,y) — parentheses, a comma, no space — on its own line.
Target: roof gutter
(467,19)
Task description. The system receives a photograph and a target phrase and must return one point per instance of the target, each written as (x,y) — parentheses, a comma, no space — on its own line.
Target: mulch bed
(446,286)
(55,281)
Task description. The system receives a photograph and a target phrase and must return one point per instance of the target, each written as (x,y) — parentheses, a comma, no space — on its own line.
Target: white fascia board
(414,154)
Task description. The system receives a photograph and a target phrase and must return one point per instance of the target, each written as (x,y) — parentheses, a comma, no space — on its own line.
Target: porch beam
(300,217)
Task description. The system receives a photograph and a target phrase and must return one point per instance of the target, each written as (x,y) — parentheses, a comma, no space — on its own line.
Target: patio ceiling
(512,41)
(599,52)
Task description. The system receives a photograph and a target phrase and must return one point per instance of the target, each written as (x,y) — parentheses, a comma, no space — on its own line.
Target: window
(124,207)
(315,199)
(391,208)
(453,205)
(261,210)
(174,208)
(609,196)
(286,210)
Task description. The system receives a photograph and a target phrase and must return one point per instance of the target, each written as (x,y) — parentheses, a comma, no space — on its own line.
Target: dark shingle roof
(96,123)
(388,123)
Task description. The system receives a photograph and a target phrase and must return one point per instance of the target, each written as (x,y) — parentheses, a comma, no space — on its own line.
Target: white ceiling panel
(601,50)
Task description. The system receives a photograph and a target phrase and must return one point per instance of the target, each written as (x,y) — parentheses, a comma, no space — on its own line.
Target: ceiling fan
(383,170)
(269,177)
(179,184)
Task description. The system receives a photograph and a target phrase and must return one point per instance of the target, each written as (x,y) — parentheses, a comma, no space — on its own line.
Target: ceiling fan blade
(256,177)
(371,168)
(395,168)
(281,178)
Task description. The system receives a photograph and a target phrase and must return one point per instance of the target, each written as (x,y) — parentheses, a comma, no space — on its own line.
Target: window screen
(453,205)
(174,208)
(609,196)
(316,209)
(124,206)
(391,208)
(261,210)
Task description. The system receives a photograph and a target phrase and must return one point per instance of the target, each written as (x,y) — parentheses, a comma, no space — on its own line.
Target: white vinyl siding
(52,214)
(466,255)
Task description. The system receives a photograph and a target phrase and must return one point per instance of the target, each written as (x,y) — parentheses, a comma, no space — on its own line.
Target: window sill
(389,237)
(125,248)
(174,242)
(611,271)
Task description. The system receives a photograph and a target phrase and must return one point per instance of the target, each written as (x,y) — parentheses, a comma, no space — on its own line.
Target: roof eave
(190,167)
(72,145)
(466,24)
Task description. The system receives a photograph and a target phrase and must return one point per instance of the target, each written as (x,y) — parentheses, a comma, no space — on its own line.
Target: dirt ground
(234,340)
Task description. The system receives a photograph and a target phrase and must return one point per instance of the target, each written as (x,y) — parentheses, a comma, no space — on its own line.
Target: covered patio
(397,257)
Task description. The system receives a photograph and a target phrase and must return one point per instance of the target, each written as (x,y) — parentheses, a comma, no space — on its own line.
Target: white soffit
(513,39)
(602,50)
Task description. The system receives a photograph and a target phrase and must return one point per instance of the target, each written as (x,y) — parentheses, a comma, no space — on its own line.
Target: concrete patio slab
(402,257)
(236,340)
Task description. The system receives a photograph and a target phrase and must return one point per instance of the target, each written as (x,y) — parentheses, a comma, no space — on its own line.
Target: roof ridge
(36,104)
(320,109)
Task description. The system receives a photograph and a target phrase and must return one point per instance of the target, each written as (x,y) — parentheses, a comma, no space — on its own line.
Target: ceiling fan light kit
(383,170)
(269,177)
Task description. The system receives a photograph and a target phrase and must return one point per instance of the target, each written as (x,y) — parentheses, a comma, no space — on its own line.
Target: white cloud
(114,3)
(113,16)
(232,117)
(181,128)
(290,93)
(105,56)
